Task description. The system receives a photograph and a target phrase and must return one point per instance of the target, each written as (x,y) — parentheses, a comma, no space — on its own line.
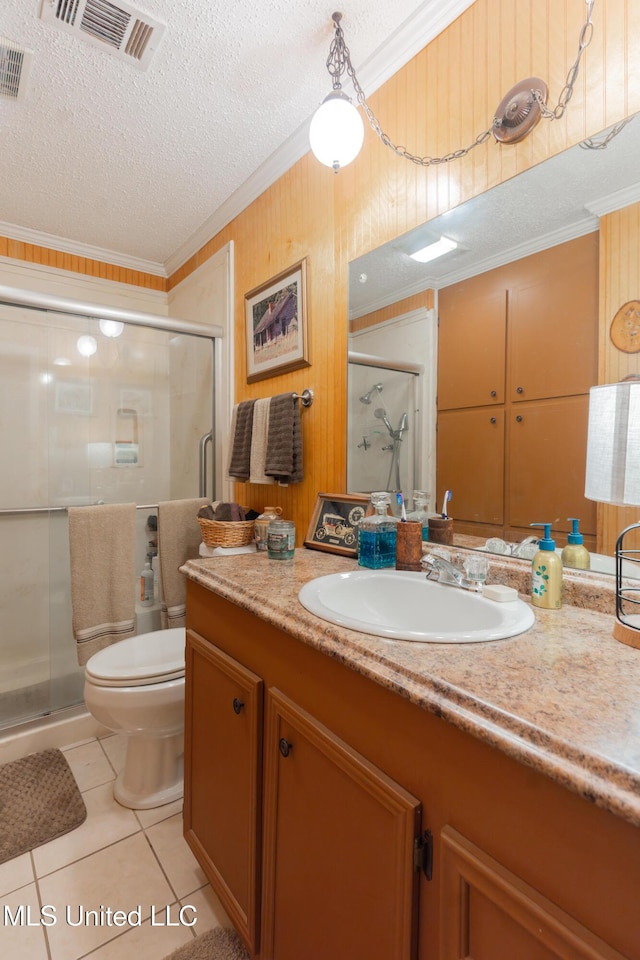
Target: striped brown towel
(240,463)
(284,445)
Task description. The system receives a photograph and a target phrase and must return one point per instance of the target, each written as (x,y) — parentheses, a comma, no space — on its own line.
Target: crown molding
(563,235)
(51,242)
(431,18)
(614,201)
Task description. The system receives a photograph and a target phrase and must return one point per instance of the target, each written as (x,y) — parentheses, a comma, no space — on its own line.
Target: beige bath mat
(217,944)
(39,800)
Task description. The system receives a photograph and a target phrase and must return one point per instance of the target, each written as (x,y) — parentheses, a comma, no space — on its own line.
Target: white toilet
(136,687)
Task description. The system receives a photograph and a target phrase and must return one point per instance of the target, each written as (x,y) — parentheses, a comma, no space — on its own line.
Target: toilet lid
(145,659)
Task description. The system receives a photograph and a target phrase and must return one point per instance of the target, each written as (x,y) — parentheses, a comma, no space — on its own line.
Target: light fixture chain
(586,36)
(342,55)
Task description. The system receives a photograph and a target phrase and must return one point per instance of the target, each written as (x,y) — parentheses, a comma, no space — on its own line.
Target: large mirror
(394,302)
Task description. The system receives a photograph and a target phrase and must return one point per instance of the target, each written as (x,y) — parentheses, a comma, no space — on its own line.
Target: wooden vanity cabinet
(339,835)
(223,778)
(522,867)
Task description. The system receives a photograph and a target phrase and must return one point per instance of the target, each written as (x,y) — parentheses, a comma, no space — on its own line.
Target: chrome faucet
(444,572)
(517,547)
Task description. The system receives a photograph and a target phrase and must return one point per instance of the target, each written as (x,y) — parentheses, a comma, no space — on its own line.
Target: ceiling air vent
(15,66)
(118,28)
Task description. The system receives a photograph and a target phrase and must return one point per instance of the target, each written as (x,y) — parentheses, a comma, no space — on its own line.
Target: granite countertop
(563,698)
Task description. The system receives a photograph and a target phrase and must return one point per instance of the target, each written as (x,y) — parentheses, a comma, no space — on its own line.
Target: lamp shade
(613,444)
(336,132)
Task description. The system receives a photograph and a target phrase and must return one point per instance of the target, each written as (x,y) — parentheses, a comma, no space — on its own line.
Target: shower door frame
(48,303)
(417,370)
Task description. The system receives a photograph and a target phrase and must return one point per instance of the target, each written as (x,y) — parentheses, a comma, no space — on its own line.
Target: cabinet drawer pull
(285,747)
(519,389)
(492,420)
(494,393)
(237,705)
(518,419)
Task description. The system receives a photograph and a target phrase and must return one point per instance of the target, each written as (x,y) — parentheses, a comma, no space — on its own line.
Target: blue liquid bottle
(377,535)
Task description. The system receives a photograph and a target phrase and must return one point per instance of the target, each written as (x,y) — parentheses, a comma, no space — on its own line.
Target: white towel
(102,553)
(259,440)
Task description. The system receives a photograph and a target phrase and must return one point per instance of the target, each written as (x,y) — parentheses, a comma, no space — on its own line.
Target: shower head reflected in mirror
(380,414)
(367,396)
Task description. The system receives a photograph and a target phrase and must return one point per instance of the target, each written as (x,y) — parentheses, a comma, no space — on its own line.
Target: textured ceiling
(102,154)
(553,202)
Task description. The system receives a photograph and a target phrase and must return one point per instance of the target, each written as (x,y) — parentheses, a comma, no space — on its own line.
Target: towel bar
(305,398)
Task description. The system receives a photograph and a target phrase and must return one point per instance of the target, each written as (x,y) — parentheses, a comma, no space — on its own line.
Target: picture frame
(277,325)
(334,522)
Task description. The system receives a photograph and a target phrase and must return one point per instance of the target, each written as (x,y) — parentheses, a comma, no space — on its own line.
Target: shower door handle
(204,440)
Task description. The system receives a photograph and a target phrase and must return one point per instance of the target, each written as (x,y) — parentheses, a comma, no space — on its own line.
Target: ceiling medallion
(520,110)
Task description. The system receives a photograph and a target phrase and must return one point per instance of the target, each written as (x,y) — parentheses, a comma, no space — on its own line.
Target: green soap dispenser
(575,554)
(546,572)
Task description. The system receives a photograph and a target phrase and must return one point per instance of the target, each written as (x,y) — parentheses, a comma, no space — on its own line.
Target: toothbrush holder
(409,545)
(441,530)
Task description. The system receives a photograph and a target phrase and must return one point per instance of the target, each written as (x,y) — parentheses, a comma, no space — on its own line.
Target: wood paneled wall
(619,283)
(437,103)
(425,299)
(45,256)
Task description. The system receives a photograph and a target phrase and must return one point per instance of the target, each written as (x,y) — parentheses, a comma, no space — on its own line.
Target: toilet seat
(139,661)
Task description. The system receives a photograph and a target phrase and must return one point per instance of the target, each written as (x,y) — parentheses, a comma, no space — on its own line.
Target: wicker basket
(227,533)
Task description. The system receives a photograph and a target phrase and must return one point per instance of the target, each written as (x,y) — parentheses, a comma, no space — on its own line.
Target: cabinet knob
(492,420)
(518,419)
(519,389)
(494,393)
(285,747)
(237,705)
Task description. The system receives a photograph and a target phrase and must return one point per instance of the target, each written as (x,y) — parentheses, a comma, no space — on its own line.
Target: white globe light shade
(111,328)
(87,345)
(336,132)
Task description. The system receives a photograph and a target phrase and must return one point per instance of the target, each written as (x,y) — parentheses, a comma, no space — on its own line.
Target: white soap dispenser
(546,572)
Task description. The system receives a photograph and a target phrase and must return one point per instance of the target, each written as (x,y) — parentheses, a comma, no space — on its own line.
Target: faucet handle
(476,567)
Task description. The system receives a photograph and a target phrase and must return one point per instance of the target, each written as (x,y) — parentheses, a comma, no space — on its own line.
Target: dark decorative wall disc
(519,111)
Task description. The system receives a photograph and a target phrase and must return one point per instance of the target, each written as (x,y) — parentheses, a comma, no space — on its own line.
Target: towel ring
(305,398)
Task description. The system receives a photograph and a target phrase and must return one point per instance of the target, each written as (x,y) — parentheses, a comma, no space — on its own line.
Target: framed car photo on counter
(334,523)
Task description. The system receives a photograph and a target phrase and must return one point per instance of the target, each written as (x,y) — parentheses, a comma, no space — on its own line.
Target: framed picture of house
(276,318)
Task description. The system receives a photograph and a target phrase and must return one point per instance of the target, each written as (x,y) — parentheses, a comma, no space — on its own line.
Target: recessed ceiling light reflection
(434,250)
(111,328)
(46,378)
(62,362)
(87,345)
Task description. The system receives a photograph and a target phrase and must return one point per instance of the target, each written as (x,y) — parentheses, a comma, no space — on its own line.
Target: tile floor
(118,859)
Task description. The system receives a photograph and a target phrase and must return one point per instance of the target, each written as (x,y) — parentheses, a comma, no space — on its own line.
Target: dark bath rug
(39,800)
(216,944)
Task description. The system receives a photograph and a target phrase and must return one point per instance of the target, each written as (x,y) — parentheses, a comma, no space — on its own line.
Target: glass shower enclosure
(383,425)
(92,410)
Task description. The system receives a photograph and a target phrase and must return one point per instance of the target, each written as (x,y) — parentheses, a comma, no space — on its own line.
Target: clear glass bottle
(421,501)
(262,525)
(377,535)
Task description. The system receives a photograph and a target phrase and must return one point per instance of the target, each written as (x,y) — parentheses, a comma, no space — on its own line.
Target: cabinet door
(548,450)
(553,325)
(489,913)
(223,751)
(339,880)
(471,344)
(470,462)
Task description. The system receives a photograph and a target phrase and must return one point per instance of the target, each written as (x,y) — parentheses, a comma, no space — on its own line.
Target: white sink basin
(407,606)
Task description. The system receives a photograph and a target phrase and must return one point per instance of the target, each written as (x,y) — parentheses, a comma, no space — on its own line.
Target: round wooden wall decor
(625,327)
